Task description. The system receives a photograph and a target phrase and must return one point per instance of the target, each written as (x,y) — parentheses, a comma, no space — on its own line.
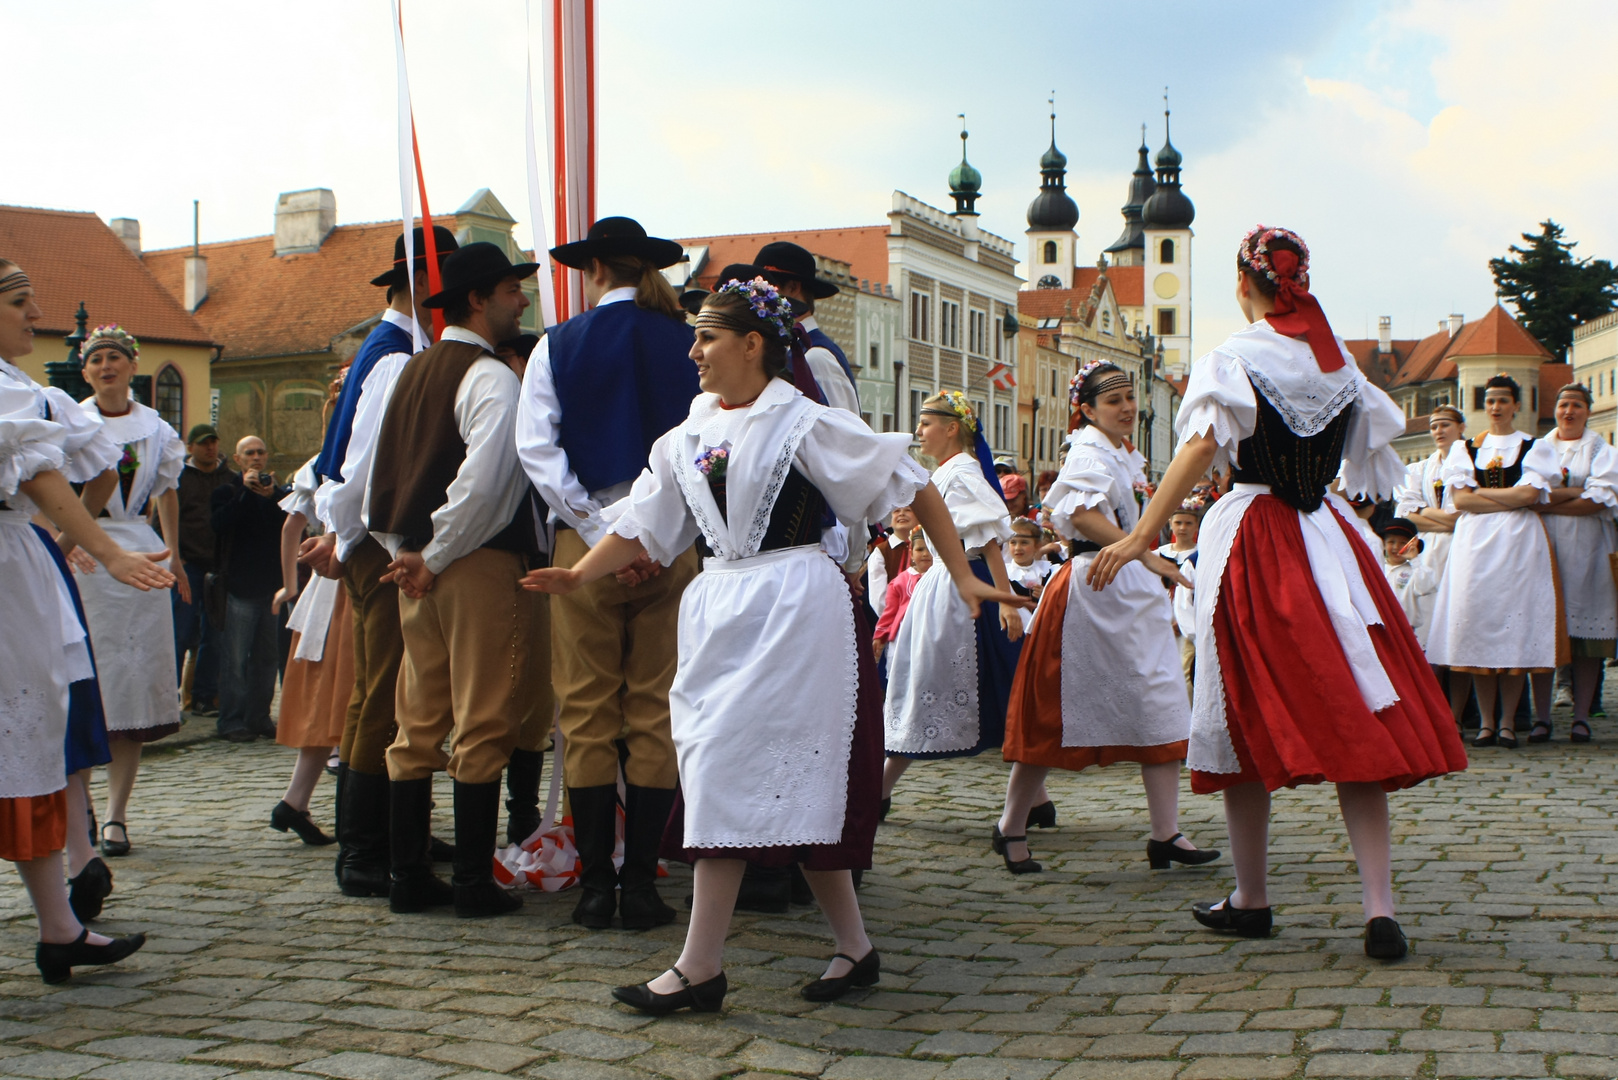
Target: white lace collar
(133,426)
(707,416)
(1092,436)
(1284,370)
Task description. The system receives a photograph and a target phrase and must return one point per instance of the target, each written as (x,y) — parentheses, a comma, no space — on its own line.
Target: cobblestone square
(256,965)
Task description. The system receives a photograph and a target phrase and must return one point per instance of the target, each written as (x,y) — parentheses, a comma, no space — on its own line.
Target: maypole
(412,181)
(570,100)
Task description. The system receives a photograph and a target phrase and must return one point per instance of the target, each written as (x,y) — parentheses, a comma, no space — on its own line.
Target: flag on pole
(1002,377)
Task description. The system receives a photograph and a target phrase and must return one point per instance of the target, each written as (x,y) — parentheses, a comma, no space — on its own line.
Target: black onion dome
(1168,208)
(1053,210)
(1141,187)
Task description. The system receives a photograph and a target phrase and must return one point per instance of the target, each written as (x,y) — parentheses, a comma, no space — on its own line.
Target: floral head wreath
(959,408)
(765,301)
(1296,314)
(1256,256)
(111,336)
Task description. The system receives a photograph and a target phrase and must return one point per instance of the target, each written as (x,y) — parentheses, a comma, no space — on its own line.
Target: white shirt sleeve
(876,576)
(864,476)
(539,418)
(1219,400)
(655,511)
(834,381)
(301,499)
(341,504)
(170,461)
(1412,495)
(1084,483)
(1370,466)
(485,494)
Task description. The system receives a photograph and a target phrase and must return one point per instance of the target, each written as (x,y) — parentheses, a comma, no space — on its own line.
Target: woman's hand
(976,593)
(283,595)
(1011,623)
(877,646)
(80,561)
(140,571)
(552,579)
(182,584)
(1114,557)
(1168,568)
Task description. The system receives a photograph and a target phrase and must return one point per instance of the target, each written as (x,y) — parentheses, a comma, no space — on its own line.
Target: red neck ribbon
(1297,313)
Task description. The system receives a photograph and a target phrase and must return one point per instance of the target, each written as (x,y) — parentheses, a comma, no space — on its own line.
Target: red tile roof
(1381,368)
(1552,377)
(863,247)
(1497,334)
(1433,357)
(71,255)
(1051,303)
(263,305)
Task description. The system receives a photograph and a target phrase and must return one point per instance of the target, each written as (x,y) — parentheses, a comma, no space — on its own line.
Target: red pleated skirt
(1295,713)
(1034,714)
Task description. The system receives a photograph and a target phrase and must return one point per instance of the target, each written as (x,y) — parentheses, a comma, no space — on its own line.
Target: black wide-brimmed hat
(397,277)
(476,266)
(613,237)
(692,298)
(783,261)
(522,344)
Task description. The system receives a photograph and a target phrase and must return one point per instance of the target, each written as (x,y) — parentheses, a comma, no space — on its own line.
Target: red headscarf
(1297,313)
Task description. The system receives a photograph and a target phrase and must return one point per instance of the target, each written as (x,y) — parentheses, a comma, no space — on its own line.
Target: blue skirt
(997,666)
(86,744)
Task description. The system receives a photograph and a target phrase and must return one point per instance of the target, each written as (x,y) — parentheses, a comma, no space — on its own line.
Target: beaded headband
(763,299)
(956,408)
(13,281)
(1075,386)
(111,336)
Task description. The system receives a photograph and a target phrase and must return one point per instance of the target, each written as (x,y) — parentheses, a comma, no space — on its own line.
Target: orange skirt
(33,827)
(1034,714)
(314,694)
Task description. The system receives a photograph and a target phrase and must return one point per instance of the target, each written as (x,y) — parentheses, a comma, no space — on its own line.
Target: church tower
(1130,247)
(1166,234)
(1052,242)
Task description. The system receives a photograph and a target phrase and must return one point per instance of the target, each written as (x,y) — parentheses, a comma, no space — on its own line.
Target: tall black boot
(477,819)
(766,889)
(337,825)
(646,812)
(522,794)
(595,827)
(413,886)
(362,833)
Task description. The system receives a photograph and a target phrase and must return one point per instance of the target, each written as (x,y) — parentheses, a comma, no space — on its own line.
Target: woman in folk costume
(133,629)
(1100,678)
(1426,501)
(1581,471)
(1498,614)
(774,707)
(950,671)
(1307,671)
(319,678)
(41,638)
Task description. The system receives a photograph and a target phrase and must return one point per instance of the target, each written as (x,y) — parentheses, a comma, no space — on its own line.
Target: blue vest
(623,376)
(384,340)
(818,337)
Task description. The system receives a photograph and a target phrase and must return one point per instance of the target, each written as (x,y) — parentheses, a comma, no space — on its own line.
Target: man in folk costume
(449,501)
(599,390)
(791,269)
(348,552)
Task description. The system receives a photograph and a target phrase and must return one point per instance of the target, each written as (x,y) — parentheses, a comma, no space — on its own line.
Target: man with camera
(247,519)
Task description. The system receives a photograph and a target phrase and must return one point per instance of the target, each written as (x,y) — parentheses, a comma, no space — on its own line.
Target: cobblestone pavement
(1505,874)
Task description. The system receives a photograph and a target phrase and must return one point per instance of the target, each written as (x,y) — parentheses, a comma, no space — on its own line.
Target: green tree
(1552,291)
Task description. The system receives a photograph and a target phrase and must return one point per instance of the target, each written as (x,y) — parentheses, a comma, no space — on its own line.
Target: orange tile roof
(863,247)
(1050,303)
(263,305)
(1497,334)
(1552,377)
(1128,283)
(1381,368)
(71,255)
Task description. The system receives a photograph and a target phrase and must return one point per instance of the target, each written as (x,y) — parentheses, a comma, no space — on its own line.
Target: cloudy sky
(1408,140)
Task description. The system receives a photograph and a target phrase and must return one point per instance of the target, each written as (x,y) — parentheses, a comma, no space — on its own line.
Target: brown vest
(419,451)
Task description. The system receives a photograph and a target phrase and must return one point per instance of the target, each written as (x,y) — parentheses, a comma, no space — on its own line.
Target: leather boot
(766,889)
(646,812)
(362,833)
(413,886)
(337,825)
(477,819)
(522,794)
(595,826)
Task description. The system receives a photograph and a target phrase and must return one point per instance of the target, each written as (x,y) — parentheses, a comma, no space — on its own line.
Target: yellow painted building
(1595,364)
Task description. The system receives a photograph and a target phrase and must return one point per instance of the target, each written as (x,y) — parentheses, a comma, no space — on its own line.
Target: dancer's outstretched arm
(1192,460)
(613,553)
(933,517)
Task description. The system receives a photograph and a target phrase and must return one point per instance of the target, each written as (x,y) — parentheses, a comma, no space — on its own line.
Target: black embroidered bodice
(796,518)
(1502,477)
(1298,468)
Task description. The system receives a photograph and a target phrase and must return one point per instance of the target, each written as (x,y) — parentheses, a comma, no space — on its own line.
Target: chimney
(1454,324)
(196,264)
(127,229)
(303,219)
(1384,334)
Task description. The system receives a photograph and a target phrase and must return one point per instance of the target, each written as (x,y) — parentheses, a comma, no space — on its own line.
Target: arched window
(1050,251)
(1106,322)
(1165,252)
(170,397)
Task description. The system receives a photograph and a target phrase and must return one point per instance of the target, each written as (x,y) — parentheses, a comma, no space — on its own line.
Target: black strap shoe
(864,972)
(111,848)
(705,997)
(1384,940)
(1021,866)
(1043,816)
(56,962)
(1160,854)
(1230,919)
(89,889)
(283,817)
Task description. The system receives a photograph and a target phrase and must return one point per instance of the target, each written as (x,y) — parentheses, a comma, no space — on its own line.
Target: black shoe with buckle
(1230,919)
(706,997)
(1384,940)
(862,973)
(1161,853)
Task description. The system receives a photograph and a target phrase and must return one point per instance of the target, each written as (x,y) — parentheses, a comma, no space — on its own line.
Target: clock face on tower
(1049,281)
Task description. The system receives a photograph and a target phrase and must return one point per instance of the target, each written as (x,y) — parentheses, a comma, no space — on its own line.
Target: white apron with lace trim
(1583,544)
(1122,684)
(133,631)
(763,703)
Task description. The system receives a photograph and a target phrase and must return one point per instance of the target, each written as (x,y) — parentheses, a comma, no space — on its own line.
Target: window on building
(170,396)
(949,324)
(866,417)
(1477,398)
(1050,251)
(876,358)
(998,338)
(916,398)
(977,332)
(1165,252)
(1042,442)
(1027,444)
(1055,375)
(921,316)
(1165,322)
(1106,321)
(1002,421)
(887,421)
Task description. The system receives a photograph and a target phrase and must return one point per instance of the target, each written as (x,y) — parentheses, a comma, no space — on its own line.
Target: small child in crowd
(889,556)
(1409,577)
(897,600)
(1027,571)
(1183,526)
